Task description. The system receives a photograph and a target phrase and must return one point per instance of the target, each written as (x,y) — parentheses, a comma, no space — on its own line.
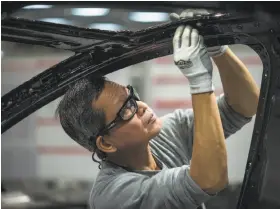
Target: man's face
(137,131)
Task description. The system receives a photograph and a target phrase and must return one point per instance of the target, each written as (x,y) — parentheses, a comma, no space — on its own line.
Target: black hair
(78,116)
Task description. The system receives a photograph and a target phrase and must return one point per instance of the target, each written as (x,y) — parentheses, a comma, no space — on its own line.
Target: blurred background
(41,164)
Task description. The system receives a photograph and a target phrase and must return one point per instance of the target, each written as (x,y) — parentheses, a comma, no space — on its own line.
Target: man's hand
(191,57)
(214,51)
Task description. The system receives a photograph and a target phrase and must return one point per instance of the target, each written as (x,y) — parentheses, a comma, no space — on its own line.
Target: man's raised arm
(242,98)
(209,158)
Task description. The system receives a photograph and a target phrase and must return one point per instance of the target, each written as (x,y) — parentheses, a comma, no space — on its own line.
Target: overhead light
(106,26)
(57,21)
(90,11)
(39,6)
(148,16)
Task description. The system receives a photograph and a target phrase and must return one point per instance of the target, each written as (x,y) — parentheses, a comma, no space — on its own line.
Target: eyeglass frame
(119,118)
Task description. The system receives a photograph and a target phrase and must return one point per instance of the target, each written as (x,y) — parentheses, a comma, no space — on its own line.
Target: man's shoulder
(111,174)
(177,114)
(177,120)
(173,145)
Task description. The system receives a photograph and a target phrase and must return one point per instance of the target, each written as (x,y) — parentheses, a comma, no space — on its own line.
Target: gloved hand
(191,57)
(214,51)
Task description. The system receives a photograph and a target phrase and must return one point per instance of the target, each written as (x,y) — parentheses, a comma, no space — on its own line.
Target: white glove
(214,51)
(191,57)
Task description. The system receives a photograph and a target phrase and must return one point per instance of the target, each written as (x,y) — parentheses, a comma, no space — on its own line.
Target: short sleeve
(181,121)
(232,121)
(170,188)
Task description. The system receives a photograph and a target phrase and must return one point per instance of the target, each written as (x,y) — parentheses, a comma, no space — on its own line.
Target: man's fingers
(186,36)
(201,41)
(187,14)
(177,37)
(174,17)
(194,37)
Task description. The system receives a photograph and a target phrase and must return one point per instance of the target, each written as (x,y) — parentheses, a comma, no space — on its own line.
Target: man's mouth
(152,118)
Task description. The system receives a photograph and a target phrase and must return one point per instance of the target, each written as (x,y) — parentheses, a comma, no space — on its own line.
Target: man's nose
(142,107)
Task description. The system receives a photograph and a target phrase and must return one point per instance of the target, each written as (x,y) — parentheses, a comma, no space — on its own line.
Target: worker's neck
(140,158)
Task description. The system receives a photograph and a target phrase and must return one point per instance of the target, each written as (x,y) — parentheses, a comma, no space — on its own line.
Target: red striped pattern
(66,150)
(177,103)
(47,121)
(169,79)
(172,104)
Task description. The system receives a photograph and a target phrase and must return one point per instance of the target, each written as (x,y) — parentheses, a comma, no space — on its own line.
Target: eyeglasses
(126,113)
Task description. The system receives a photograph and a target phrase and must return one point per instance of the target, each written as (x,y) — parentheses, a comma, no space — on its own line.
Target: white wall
(164,89)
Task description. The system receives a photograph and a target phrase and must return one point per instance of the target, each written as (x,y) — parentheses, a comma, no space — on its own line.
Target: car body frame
(100,52)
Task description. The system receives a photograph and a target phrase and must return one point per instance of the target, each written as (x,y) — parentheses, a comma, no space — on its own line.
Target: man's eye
(127,112)
(129,104)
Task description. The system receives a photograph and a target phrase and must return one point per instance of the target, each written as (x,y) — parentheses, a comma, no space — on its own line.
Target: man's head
(98,113)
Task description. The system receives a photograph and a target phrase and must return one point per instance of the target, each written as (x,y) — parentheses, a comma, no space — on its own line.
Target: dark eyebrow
(126,91)
(124,94)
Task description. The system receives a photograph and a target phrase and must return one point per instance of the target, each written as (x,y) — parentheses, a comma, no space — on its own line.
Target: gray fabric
(172,186)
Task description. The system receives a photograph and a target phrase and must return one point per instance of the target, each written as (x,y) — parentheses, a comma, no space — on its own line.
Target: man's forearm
(239,86)
(209,159)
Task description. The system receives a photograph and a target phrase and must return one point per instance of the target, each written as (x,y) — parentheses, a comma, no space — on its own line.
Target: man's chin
(155,131)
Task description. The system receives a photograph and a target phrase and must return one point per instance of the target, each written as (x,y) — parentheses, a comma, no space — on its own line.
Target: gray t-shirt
(171,187)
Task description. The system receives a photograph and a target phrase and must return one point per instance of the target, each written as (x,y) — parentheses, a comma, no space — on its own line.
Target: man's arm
(209,159)
(240,88)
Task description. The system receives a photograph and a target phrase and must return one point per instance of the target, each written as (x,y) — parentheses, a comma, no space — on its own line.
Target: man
(177,161)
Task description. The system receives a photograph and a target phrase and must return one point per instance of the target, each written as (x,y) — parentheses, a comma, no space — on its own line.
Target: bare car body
(100,52)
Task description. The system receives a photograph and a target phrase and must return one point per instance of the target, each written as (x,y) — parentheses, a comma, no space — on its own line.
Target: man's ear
(105,146)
